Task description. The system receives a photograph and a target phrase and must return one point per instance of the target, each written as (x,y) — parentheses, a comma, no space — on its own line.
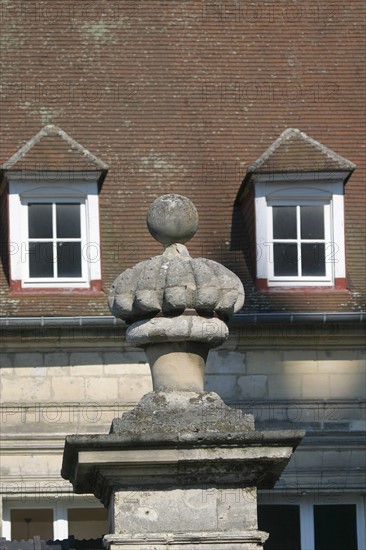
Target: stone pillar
(181,470)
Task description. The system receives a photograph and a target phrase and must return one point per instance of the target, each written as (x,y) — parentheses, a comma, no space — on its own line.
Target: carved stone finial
(176,305)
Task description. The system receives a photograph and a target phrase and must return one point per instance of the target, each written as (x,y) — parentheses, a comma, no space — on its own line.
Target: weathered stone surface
(149,461)
(172,283)
(172,219)
(161,461)
(177,366)
(182,413)
(173,300)
(245,540)
(185,510)
(176,510)
(185,328)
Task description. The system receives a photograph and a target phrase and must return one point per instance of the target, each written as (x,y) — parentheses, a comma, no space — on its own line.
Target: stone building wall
(105,376)
(239,373)
(256,365)
(79,384)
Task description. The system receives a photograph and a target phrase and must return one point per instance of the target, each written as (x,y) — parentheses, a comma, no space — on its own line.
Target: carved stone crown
(174,298)
(174,282)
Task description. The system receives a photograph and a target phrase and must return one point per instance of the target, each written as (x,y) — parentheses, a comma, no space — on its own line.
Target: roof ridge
(52,129)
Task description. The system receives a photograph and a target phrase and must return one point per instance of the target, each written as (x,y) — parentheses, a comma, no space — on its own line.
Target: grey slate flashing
(108,321)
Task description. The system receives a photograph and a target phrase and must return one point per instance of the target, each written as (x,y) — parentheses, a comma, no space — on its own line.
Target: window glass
(86,523)
(285,259)
(313,259)
(284,222)
(335,527)
(68,220)
(288,262)
(283,525)
(40,220)
(26,523)
(312,222)
(69,259)
(46,255)
(41,259)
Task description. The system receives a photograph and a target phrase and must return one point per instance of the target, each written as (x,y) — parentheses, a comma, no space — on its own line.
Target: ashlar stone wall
(87,382)
(311,380)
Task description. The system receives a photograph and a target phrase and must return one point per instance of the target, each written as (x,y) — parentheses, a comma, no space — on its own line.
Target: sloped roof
(293,150)
(53,149)
(180,112)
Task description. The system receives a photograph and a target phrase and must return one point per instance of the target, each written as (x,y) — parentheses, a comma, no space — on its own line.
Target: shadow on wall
(4,234)
(243,239)
(312,388)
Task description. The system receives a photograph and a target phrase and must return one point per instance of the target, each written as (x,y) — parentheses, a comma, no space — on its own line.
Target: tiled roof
(176,97)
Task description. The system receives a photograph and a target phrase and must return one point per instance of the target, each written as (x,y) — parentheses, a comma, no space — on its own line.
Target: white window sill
(55,284)
(299,283)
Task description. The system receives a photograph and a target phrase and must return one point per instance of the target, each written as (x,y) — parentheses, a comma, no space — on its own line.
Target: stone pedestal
(181,470)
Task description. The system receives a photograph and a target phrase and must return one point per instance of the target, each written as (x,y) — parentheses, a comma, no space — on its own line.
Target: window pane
(40,220)
(312,222)
(283,525)
(285,259)
(40,259)
(284,222)
(86,523)
(68,220)
(313,259)
(335,527)
(27,523)
(69,259)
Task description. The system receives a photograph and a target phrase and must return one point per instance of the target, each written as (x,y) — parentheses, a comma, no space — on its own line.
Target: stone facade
(294,377)
(240,372)
(307,378)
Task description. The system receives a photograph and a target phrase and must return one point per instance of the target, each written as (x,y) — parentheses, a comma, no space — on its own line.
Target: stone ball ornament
(172,219)
(174,299)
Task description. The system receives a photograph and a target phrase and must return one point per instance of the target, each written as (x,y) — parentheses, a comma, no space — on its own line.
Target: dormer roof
(293,151)
(53,149)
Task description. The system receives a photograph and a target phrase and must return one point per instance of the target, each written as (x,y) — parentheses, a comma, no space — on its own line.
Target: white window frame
(309,189)
(22,192)
(306,504)
(328,278)
(83,279)
(59,507)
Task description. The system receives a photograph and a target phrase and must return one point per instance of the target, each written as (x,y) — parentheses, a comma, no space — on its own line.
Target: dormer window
(54,214)
(296,189)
